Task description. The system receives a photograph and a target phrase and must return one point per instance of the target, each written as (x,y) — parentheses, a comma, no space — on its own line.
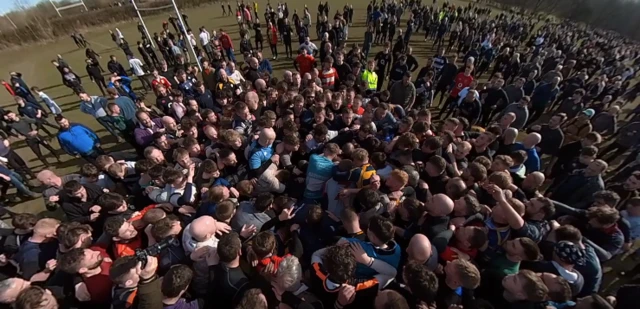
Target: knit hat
(569,253)
(589,112)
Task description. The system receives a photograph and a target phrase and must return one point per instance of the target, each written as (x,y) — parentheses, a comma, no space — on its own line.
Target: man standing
(78,140)
(126,105)
(227,45)
(205,41)
(541,97)
(138,70)
(115,67)
(403,93)
(383,62)
(24,127)
(96,107)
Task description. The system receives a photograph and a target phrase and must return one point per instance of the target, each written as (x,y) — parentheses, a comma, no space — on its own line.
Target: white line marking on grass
(98,43)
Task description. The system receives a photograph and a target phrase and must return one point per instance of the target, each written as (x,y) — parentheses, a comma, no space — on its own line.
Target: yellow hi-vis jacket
(371,78)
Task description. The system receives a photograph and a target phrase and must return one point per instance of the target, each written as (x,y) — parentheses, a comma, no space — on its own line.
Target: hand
(346,295)
(149,189)
(294,227)
(94,216)
(222,228)
(233,192)
(286,214)
(275,159)
(32,133)
(204,190)
(95,208)
(252,258)
(50,266)
(359,254)
(395,195)
(54,198)
(166,207)
(279,123)
(332,216)
(150,269)
(192,169)
(186,210)
(247,231)
(308,138)
(536,127)
(495,192)
(3,260)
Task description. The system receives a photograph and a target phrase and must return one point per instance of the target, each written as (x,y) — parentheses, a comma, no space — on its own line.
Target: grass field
(35,64)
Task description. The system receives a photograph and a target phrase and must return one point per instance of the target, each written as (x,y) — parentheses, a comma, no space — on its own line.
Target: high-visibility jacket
(371,78)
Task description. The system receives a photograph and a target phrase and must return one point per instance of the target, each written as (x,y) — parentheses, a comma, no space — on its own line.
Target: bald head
(260,84)
(419,248)
(10,288)
(47,177)
(267,137)
(203,228)
(288,75)
(168,119)
(531,140)
(510,135)
(251,99)
(441,205)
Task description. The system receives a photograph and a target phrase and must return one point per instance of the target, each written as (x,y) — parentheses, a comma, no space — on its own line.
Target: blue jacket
(125,83)
(391,256)
(265,65)
(544,94)
(533,160)
(78,139)
(259,155)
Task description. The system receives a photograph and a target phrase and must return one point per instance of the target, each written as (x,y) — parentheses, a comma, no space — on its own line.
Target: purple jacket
(144,136)
(183,304)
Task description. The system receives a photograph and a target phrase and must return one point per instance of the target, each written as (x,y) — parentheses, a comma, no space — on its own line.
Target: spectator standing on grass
(138,70)
(97,107)
(78,140)
(95,75)
(126,105)
(115,67)
(14,160)
(227,45)
(27,128)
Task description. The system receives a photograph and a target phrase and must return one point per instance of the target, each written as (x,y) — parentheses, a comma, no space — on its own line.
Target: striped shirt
(438,63)
(328,77)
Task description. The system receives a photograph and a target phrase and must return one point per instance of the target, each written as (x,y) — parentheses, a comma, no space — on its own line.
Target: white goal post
(72,5)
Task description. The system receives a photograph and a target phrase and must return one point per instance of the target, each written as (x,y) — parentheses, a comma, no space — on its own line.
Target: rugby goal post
(68,6)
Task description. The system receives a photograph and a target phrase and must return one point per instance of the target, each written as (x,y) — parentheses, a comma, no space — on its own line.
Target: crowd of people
(482,181)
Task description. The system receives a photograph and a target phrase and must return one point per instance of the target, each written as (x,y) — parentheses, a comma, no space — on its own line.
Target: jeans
(107,125)
(230,55)
(16,181)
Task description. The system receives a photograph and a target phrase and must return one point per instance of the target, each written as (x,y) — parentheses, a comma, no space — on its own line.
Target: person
(137,67)
(78,140)
(25,127)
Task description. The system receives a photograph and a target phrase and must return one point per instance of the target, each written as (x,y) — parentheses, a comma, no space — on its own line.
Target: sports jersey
(460,82)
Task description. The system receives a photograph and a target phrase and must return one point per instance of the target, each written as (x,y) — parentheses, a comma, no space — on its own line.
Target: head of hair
(421,281)
(382,228)
(264,243)
(339,263)
(176,281)
(229,247)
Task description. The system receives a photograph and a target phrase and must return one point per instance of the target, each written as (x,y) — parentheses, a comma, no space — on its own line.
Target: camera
(155,249)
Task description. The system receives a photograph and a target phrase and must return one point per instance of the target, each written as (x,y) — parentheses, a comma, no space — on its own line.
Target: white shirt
(192,39)
(136,65)
(237,77)
(205,37)
(310,47)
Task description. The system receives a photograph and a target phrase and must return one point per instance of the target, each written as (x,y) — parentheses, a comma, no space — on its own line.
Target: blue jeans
(230,55)
(17,181)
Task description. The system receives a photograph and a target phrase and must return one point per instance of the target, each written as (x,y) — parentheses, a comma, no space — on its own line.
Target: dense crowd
(481,181)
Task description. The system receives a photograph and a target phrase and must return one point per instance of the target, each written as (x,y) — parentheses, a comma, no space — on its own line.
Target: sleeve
(185,198)
(255,161)
(64,146)
(149,295)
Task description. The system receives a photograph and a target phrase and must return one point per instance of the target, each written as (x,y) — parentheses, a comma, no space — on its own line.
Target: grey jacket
(522,114)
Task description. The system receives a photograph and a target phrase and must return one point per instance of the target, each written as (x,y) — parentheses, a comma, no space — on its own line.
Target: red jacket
(9,88)
(274,35)
(226,41)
